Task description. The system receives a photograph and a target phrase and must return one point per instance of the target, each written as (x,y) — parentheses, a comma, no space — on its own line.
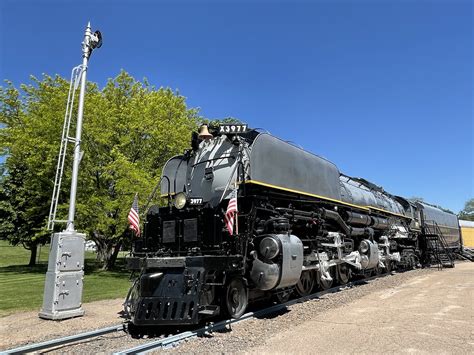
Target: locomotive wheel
(388,266)
(236,298)
(305,285)
(344,273)
(325,284)
(376,270)
(207,295)
(282,297)
(134,331)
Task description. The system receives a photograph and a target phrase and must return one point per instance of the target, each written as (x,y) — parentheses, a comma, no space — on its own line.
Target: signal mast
(64,278)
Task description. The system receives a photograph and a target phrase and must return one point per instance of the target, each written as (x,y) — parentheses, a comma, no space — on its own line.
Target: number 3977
(235,128)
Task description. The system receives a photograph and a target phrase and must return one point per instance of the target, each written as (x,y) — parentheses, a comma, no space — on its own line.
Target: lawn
(21,287)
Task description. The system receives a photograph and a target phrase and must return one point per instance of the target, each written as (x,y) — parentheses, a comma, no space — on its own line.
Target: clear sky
(383,89)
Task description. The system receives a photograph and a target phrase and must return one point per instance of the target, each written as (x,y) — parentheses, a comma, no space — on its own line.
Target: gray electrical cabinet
(64,278)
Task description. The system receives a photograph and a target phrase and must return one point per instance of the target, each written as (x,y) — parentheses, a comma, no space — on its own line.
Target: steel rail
(172,340)
(65,340)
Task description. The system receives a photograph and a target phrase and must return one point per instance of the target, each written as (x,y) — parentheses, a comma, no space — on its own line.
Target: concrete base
(57,315)
(64,278)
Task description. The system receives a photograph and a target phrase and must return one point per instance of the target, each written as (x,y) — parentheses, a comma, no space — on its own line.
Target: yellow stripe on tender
(366,208)
(305,193)
(382,210)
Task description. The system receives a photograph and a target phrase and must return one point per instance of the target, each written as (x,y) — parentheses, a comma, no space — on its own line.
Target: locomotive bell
(204,133)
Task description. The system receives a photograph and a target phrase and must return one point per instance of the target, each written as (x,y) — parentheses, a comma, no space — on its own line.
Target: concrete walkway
(433,314)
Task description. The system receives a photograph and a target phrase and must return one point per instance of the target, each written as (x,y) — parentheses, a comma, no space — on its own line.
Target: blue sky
(383,89)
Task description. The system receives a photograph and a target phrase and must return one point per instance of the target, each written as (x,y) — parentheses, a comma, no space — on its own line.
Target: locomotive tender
(301,224)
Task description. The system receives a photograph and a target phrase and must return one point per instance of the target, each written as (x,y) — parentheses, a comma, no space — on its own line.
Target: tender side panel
(447,222)
(276,162)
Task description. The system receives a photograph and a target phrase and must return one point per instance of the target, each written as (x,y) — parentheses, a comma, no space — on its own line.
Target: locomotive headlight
(180,200)
(364,247)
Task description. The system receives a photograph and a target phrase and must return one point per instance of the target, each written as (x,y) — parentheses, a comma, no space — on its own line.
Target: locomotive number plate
(233,128)
(195,201)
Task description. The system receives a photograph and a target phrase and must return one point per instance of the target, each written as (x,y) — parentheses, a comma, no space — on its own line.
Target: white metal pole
(86,50)
(64,279)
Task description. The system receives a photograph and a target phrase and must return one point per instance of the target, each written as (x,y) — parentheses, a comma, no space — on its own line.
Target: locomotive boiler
(300,225)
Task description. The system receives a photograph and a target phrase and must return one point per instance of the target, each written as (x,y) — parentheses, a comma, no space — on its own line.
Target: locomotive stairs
(436,247)
(467,253)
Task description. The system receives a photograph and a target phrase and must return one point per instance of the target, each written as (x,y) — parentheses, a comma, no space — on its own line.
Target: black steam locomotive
(300,225)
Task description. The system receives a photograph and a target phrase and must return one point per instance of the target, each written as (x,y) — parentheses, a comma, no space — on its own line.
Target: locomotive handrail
(150,197)
(219,158)
(231,176)
(296,145)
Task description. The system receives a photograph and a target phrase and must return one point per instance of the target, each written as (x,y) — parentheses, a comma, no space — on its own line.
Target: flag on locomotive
(231,212)
(133,217)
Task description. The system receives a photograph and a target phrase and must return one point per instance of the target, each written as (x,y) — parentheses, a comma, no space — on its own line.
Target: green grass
(21,286)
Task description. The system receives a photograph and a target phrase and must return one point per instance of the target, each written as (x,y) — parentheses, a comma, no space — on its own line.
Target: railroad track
(173,340)
(64,340)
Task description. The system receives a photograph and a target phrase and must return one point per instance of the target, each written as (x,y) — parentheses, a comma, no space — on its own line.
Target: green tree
(467,213)
(130,130)
(29,127)
(145,127)
(226,120)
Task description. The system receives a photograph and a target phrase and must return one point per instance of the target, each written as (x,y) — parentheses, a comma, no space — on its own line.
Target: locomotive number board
(195,201)
(232,128)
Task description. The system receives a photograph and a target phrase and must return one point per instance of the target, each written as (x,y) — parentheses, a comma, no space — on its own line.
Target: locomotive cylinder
(270,274)
(369,253)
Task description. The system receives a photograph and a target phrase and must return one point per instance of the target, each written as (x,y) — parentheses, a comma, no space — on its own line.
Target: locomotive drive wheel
(236,298)
(376,271)
(344,273)
(305,285)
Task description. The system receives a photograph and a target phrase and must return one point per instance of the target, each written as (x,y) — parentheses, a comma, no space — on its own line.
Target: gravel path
(241,337)
(432,314)
(252,333)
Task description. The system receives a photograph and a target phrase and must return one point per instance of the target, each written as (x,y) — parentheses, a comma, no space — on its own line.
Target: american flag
(133,217)
(231,212)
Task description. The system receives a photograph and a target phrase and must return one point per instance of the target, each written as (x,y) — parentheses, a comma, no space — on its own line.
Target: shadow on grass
(91,266)
(24,269)
(95,267)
